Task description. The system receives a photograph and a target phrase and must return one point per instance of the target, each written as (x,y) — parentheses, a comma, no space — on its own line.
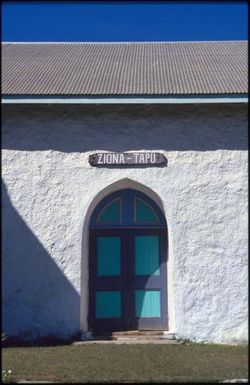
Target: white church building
(124,193)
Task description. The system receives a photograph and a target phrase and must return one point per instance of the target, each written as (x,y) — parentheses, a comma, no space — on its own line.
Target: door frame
(95,227)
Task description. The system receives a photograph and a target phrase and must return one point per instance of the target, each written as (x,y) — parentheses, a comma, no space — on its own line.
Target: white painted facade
(50,191)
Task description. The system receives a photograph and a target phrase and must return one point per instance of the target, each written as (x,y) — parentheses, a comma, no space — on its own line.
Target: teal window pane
(147,304)
(147,255)
(108,256)
(143,212)
(108,304)
(112,212)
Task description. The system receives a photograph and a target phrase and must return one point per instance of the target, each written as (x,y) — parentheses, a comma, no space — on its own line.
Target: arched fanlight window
(144,212)
(111,212)
(127,208)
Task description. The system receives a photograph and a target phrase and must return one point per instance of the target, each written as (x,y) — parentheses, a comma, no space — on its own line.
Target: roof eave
(127,99)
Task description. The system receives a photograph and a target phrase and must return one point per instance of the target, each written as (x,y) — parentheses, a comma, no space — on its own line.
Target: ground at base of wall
(236,380)
(122,363)
(231,381)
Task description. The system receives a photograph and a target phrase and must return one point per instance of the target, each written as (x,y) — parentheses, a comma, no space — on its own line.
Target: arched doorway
(127,264)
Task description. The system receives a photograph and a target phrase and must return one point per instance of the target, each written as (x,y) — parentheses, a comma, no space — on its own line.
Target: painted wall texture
(50,190)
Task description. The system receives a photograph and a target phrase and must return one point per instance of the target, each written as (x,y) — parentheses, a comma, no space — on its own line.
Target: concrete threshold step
(135,333)
(129,335)
(132,336)
(129,341)
(137,337)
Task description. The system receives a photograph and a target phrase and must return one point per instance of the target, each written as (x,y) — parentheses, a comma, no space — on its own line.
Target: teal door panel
(108,256)
(108,304)
(148,303)
(147,255)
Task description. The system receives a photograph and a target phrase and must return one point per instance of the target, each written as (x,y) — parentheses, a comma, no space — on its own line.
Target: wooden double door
(127,279)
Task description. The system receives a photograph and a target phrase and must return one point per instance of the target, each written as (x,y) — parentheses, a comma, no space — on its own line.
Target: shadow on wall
(37,298)
(77,128)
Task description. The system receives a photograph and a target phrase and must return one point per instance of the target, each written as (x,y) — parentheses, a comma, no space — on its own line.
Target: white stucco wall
(50,191)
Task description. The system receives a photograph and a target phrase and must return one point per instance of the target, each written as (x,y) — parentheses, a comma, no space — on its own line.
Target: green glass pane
(143,212)
(147,255)
(112,212)
(108,256)
(147,304)
(108,304)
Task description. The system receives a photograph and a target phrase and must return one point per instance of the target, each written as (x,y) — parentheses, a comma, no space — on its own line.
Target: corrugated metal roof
(178,68)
